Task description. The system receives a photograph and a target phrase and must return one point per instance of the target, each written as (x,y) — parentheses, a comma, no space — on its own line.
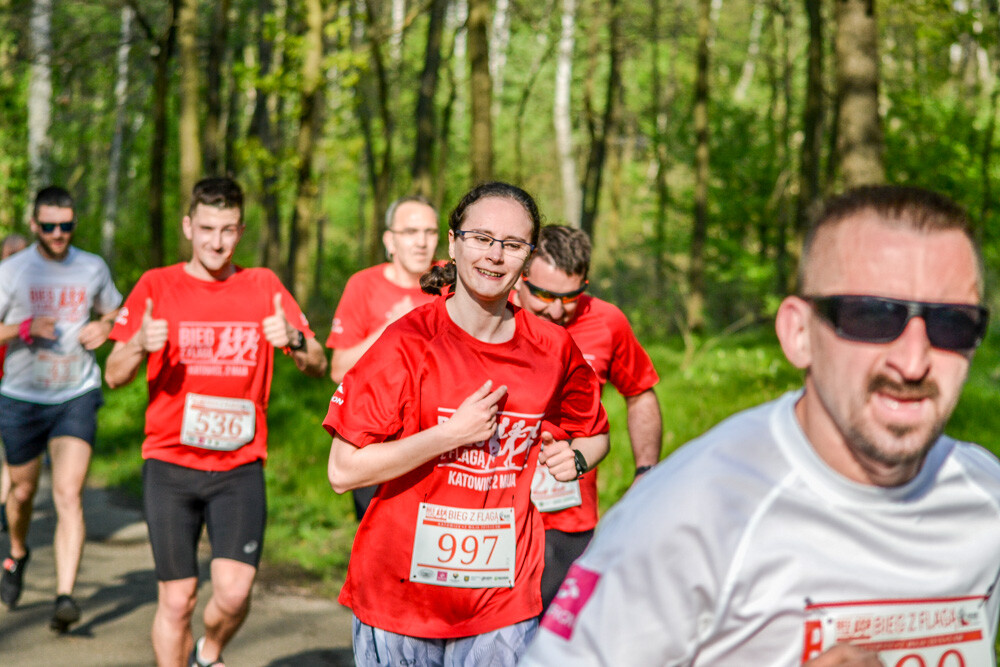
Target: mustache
(905,391)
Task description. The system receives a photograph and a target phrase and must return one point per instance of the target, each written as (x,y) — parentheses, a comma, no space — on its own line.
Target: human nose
(557,309)
(495,251)
(910,353)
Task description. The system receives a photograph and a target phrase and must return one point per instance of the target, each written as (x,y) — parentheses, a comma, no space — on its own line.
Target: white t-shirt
(53,371)
(745,548)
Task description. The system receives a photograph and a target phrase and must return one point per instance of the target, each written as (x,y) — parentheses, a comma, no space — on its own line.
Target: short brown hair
(566,248)
(217,192)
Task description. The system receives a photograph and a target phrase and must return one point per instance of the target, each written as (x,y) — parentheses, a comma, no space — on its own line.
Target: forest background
(690,138)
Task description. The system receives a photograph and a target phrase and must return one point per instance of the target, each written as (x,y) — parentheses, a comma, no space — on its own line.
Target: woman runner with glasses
(446,413)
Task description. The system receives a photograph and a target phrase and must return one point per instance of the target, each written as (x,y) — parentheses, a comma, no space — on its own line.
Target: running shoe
(12,579)
(66,614)
(196,661)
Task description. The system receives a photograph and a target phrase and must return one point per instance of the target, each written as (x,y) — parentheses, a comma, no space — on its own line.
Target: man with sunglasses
(51,386)
(375,297)
(835,525)
(553,287)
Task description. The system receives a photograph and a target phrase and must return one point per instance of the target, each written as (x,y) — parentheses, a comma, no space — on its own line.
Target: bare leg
(172,641)
(232,582)
(20,501)
(70,460)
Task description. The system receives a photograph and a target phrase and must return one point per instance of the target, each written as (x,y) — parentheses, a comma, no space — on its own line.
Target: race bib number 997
(464,547)
(944,632)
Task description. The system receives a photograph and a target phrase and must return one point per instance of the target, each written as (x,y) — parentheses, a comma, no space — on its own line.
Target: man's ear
(792,325)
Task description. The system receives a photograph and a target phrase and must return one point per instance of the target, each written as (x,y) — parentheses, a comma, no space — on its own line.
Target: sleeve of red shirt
(578,409)
(352,319)
(369,405)
(631,371)
(130,316)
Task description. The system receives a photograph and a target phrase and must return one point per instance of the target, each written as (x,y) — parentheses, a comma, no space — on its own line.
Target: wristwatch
(299,343)
(580,462)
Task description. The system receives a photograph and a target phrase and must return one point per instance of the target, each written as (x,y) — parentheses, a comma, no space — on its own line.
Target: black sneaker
(12,579)
(67,613)
(4,526)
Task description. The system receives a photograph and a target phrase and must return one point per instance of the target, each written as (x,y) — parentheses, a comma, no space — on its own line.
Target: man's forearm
(645,427)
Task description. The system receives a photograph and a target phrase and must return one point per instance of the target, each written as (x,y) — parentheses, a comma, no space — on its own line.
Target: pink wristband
(24,332)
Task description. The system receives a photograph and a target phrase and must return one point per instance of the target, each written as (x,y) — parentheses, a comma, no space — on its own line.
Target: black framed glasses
(878,319)
(49,227)
(548,297)
(483,242)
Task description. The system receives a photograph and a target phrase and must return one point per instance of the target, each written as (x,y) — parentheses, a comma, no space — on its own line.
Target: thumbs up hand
(277,330)
(152,333)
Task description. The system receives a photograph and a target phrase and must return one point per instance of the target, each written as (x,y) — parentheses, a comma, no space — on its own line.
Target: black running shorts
(26,428)
(178,501)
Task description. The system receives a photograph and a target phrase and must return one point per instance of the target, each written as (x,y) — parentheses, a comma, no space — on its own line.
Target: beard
(906,444)
(50,251)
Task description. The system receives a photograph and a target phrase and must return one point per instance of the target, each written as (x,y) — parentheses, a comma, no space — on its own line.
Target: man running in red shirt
(553,286)
(207,329)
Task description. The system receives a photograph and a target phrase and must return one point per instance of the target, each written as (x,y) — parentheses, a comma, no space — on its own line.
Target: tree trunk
(860,133)
(424,114)
(188,123)
(695,306)
(480,92)
(214,130)
(591,195)
(262,130)
(158,149)
(39,99)
(297,272)
(499,41)
(753,51)
(660,153)
(109,223)
(561,116)
(810,191)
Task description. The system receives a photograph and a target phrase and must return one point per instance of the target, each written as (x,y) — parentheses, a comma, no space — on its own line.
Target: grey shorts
(500,648)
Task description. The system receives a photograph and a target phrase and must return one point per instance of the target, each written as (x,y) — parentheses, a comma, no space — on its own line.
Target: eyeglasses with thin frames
(480,241)
(411,234)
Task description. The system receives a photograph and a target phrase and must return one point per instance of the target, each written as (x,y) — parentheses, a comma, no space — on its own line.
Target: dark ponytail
(439,279)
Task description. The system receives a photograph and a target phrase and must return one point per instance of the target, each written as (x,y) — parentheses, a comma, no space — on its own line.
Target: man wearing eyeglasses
(553,287)
(51,386)
(835,525)
(377,296)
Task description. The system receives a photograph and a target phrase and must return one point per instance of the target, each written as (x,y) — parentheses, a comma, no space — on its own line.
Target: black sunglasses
(49,227)
(877,319)
(549,297)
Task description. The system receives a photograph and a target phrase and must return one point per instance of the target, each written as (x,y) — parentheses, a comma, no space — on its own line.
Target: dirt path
(116,590)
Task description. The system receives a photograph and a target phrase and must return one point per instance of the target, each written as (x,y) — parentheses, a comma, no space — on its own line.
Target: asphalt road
(116,590)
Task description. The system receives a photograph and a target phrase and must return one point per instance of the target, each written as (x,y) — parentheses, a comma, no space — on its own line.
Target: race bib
(213,422)
(50,370)
(947,632)
(463,547)
(550,495)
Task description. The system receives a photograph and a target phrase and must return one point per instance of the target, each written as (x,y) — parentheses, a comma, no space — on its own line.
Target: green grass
(310,528)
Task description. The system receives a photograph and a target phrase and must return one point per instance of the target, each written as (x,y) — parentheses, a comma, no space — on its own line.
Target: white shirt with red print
(745,548)
(209,386)
(454,547)
(53,371)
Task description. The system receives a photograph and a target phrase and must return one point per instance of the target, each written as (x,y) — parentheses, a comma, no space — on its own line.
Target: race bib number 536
(219,423)
(464,547)
(944,632)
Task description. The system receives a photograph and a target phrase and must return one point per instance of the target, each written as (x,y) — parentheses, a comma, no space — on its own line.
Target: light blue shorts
(500,648)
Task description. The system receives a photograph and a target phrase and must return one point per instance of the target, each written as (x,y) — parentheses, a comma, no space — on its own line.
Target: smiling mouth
(490,274)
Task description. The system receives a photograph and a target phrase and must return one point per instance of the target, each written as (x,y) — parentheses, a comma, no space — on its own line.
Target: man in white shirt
(835,525)
(51,386)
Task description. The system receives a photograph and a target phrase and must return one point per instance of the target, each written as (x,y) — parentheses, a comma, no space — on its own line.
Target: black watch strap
(581,463)
(299,343)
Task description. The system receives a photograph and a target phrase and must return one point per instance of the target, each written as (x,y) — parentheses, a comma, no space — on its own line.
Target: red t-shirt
(366,304)
(215,352)
(603,334)
(415,376)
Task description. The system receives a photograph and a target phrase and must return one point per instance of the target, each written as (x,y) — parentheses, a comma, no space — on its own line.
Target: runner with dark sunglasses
(835,525)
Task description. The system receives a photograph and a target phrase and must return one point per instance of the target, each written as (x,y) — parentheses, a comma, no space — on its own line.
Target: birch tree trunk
(859,142)
(561,115)
(753,51)
(39,99)
(480,92)
(115,158)
(499,41)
